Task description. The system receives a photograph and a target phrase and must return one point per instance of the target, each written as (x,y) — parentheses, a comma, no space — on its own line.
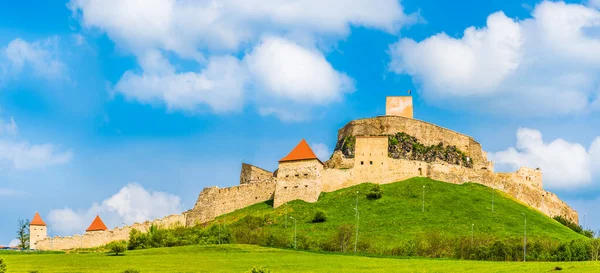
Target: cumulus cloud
(321,150)
(548,62)
(133,203)
(565,165)
(14,243)
(283,73)
(39,58)
(21,155)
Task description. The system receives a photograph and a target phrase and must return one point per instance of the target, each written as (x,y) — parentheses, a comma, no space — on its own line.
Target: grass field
(240,258)
(450,210)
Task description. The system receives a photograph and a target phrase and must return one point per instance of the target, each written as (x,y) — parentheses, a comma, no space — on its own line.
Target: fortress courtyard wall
(215,201)
(100,238)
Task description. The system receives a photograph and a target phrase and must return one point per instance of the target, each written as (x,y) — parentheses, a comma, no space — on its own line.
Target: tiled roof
(97,224)
(302,151)
(37,220)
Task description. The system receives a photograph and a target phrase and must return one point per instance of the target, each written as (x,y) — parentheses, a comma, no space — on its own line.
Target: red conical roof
(97,225)
(301,152)
(37,220)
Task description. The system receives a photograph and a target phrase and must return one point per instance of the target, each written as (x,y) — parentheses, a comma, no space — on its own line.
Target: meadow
(241,258)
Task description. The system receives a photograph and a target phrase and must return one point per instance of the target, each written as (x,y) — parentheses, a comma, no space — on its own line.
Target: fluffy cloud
(548,62)
(14,242)
(21,155)
(565,165)
(131,204)
(283,73)
(38,57)
(321,150)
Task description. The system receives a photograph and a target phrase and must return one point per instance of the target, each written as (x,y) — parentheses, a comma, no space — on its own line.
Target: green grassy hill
(241,258)
(450,211)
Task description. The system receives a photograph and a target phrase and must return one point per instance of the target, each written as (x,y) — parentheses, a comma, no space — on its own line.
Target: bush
(319,217)
(2,266)
(261,269)
(117,247)
(575,227)
(375,193)
(131,271)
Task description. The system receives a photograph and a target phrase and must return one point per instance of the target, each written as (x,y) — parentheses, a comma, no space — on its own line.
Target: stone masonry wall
(252,174)
(215,201)
(426,133)
(299,179)
(100,238)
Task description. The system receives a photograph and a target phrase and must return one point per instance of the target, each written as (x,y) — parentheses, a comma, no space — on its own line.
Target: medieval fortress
(383,149)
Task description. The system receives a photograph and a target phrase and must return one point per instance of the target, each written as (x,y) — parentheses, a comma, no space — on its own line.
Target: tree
(23,234)
(117,247)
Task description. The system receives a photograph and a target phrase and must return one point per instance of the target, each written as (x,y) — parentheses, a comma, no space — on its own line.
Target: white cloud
(564,165)
(8,127)
(219,86)
(12,192)
(321,150)
(283,69)
(594,3)
(548,62)
(40,58)
(21,155)
(14,243)
(276,74)
(131,204)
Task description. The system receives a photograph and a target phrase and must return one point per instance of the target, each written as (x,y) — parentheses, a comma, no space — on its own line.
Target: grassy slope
(398,216)
(239,258)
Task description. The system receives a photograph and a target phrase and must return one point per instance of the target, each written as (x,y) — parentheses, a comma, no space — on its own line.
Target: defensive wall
(305,179)
(100,238)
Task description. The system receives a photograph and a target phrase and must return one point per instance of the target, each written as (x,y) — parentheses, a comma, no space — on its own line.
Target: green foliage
(23,234)
(575,227)
(346,145)
(402,145)
(131,271)
(261,269)
(375,193)
(2,266)
(319,217)
(117,247)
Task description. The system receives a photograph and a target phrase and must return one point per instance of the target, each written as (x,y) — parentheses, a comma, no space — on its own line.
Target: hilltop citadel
(383,149)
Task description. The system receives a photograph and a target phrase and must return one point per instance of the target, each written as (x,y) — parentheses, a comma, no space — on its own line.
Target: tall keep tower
(37,230)
(399,106)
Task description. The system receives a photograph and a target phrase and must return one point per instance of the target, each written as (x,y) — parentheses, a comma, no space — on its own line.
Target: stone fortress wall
(100,238)
(306,179)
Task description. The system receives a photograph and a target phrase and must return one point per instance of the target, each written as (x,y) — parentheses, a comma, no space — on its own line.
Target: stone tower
(298,176)
(37,230)
(399,106)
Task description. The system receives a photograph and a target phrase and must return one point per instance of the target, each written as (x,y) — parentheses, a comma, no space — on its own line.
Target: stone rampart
(427,133)
(215,201)
(100,238)
(253,174)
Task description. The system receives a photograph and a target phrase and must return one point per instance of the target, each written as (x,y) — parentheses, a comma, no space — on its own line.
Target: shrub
(375,193)
(343,238)
(117,247)
(2,266)
(131,271)
(261,269)
(319,217)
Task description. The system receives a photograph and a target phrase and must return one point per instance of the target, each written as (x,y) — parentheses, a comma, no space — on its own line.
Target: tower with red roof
(96,225)
(37,230)
(298,176)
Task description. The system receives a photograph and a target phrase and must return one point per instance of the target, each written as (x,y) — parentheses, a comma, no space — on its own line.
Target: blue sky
(130,111)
